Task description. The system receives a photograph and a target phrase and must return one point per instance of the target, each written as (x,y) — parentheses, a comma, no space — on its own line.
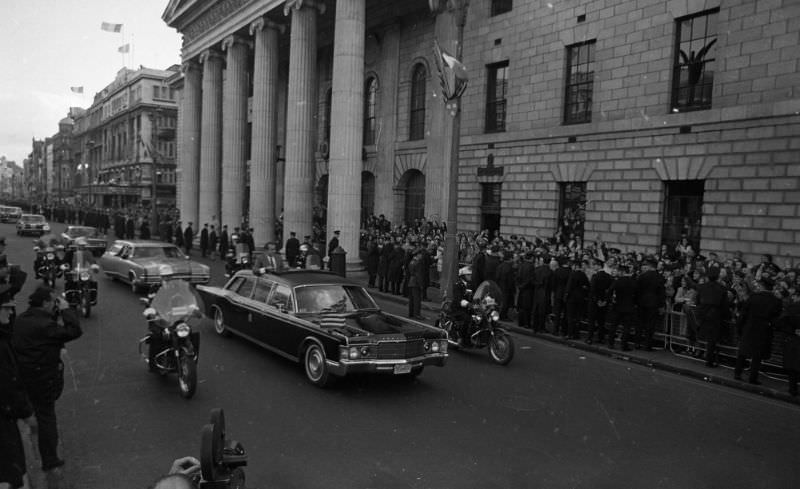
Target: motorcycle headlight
(476,318)
(182,330)
(464,303)
(495,316)
(50,256)
(84,276)
(244,260)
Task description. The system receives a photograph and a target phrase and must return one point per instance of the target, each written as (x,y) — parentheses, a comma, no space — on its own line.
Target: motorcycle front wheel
(187,376)
(501,348)
(86,307)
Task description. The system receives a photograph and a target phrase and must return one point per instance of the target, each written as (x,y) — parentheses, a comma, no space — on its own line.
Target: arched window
(367,195)
(370,100)
(415,196)
(416,125)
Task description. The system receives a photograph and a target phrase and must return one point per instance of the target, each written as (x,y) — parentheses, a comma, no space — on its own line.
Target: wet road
(554,418)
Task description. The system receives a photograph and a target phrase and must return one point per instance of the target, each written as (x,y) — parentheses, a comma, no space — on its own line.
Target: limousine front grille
(392,350)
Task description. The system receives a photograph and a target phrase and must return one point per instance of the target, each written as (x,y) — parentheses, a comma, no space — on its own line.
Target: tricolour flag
(111,27)
(125,48)
(76,89)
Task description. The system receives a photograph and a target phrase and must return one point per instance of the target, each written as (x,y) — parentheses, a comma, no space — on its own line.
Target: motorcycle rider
(71,280)
(459,313)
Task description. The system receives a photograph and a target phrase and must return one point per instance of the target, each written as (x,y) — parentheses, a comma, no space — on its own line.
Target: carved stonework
(231,40)
(210,53)
(261,23)
(298,4)
(211,18)
(189,65)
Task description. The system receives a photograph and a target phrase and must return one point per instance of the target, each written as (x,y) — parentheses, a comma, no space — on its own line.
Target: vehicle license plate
(403,368)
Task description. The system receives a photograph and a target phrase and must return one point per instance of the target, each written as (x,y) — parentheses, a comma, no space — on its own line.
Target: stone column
(347,122)
(265,130)
(189,152)
(300,121)
(234,130)
(210,140)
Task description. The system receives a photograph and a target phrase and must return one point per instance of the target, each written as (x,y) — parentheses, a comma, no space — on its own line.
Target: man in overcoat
(758,316)
(651,298)
(712,310)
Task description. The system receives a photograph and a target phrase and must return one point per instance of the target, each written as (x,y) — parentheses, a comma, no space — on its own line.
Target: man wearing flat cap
(38,339)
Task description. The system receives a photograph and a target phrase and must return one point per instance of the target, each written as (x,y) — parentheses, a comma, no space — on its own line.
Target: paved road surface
(554,418)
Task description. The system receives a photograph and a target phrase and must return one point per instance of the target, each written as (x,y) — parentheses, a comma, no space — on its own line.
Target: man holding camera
(38,338)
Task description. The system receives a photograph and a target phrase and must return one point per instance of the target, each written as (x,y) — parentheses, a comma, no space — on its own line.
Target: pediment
(179,10)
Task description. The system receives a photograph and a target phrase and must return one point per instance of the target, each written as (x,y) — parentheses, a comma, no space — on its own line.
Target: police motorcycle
(237,258)
(172,344)
(80,287)
(47,264)
(483,324)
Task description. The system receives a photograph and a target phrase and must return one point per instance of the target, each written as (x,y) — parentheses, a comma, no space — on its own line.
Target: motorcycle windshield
(81,261)
(488,294)
(176,299)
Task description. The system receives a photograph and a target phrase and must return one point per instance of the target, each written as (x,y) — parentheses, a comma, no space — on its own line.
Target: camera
(221,461)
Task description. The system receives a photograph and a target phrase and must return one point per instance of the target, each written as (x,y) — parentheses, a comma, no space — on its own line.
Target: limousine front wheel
(219,322)
(315,366)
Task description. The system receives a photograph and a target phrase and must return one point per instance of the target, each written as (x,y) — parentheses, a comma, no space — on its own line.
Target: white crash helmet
(463,271)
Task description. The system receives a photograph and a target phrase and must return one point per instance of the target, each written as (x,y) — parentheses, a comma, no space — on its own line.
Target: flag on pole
(125,48)
(111,27)
(76,89)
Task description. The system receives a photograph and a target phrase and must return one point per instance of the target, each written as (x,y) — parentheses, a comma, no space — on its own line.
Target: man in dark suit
(415,280)
(269,261)
(712,310)
(506,279)
(542,280)
(204,240)
(332,245)
(651,298)
(491,262)
(224,242)
(178,235)
(188,237)
(622,295)
(575,297)
(598,303)
(130,227)
(757,319)
(396,262)
(525,287)
(383,265)
(213,242)
(373,255)
(292,249)
(560,278)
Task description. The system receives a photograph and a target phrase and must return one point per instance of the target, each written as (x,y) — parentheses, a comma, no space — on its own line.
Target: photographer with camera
(39,336)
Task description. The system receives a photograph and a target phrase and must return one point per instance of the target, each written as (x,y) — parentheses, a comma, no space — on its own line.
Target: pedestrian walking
(38,339)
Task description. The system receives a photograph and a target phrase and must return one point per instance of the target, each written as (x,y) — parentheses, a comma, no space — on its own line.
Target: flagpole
(133,51)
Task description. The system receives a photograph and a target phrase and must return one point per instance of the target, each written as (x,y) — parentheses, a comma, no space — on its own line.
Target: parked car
(329,324)
(143,264)
(10,213)
(96,242)
(34,224)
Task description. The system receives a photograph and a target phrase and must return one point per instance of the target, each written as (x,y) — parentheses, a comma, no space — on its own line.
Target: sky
(51,45)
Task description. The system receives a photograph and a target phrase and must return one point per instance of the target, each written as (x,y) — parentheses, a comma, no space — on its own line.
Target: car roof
(144,243)
(293,278)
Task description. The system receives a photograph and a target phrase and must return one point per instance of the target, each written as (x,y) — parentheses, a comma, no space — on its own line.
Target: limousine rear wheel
(315,366)
(219,322)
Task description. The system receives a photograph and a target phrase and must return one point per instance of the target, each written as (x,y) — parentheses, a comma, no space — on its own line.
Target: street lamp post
(153,170)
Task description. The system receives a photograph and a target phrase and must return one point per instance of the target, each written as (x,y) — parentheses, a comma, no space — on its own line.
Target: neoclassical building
(637,122)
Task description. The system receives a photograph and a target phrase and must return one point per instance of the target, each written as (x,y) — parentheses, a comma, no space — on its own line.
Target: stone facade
(743,150)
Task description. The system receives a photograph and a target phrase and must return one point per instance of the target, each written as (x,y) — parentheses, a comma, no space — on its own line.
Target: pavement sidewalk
(658,358)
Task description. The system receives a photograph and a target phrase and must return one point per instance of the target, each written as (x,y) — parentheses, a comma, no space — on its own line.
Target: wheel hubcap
(314,364)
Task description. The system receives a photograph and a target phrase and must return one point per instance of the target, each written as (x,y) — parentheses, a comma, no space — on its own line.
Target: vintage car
(329,324)
(32,224)
(96,242)
(10,213)
(143,264)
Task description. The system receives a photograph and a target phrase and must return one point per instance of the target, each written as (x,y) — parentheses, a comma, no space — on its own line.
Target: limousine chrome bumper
(389,366)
